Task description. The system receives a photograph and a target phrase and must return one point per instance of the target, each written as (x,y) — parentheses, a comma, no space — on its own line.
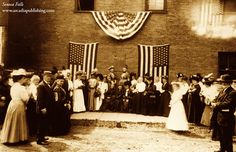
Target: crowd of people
(43,103)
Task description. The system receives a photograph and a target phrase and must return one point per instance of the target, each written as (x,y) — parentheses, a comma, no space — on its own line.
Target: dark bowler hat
(224,78)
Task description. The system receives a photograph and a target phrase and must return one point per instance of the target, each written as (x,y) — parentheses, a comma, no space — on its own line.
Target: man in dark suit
(45,98)
(225,106)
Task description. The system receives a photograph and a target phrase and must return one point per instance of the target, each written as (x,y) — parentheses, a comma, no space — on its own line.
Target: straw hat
(19,72)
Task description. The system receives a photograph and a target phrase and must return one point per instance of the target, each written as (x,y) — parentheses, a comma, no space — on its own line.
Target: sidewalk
(118,117)
(130,121)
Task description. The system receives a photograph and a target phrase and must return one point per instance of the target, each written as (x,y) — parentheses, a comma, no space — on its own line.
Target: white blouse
(19,92)
(141,86)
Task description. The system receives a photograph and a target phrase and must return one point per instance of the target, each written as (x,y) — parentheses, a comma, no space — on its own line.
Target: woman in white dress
(78,98)
(102,87)
(177,119)
(15,125)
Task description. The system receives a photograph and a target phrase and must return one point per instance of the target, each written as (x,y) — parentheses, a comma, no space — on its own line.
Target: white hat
(19,72)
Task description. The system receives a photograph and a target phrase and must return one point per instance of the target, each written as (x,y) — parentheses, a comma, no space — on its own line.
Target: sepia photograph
(117,75)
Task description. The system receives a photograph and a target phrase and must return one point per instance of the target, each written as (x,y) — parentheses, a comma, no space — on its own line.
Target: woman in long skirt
(92,88)
(196,107)
(78,98)
(15,126)
(164,108)
(177,119)
(102,87)
(61,116)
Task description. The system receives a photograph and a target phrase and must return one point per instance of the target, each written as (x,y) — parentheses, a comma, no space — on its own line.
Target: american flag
(211,13)
(82,57)
(153,59)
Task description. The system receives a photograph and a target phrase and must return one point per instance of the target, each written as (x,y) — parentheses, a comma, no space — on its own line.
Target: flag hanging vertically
(153,60)
(82,57)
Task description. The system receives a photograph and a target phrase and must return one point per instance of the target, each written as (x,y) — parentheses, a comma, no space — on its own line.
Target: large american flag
(153,60)
(82,57)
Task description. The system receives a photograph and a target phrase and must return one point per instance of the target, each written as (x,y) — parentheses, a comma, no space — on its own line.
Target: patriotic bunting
(120,25)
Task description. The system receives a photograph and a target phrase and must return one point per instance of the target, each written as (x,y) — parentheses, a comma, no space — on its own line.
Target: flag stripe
(146,61)
(93,58)
(88,60)
(139,59)
(155,72)
(151,62)
(85,61)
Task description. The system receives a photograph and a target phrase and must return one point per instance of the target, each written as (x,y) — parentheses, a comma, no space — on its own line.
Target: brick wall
(41,40)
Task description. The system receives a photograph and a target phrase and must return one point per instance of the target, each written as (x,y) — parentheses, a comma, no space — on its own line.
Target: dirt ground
(101,139)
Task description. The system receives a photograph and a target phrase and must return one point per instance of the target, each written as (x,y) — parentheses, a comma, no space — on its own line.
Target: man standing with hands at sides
(45,98)
(225,106)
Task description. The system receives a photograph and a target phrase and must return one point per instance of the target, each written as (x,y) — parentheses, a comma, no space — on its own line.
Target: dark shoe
(42,143)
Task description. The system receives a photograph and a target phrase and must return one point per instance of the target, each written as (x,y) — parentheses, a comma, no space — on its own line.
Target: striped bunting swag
(153,60)
(120,25)
(82,57)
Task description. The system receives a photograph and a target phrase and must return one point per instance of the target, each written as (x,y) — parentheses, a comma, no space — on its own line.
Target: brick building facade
(37,40)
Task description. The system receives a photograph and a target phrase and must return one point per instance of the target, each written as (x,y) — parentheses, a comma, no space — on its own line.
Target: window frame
(226,57)
(164,11)
(76,10)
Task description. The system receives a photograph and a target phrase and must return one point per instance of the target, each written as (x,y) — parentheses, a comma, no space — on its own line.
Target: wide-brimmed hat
(224,78)
(19,72)
(111,67)
(208,78)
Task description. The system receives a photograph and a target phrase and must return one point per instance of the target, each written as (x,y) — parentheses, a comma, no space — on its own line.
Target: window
(84,5)
(156,6)
(229,6)
(227,63)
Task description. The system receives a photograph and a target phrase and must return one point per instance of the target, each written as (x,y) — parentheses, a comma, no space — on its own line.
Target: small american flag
(153,60)
(82,57)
